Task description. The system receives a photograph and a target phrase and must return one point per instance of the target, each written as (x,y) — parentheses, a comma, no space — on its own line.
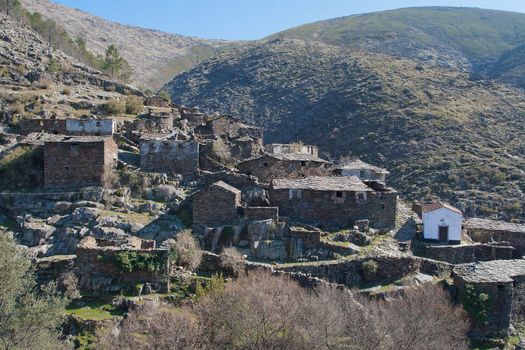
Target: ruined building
(284,165)
(79,161)
(499,279)
(334,202)
(69,126)
(280,148)
(119,265)
(216,205)
(486,231)
(169,156)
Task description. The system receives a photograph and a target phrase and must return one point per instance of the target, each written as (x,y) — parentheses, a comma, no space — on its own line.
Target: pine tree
(113,61)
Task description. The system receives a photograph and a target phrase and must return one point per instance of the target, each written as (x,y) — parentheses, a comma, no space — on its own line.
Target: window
(383,206)
(265,165)
(98,124)
(339,194)
(361,195)
(501,287)
(303,163)
(295,194)
(361,173)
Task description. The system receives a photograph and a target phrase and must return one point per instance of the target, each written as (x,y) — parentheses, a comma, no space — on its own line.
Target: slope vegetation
(441,132)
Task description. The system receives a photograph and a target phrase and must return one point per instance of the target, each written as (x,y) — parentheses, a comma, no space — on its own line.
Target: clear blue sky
(250,19)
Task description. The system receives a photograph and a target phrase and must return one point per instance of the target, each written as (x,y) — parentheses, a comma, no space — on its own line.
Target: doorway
(443,233)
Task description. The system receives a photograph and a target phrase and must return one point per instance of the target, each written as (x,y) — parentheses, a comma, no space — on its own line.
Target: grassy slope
(477,33)
(440,133)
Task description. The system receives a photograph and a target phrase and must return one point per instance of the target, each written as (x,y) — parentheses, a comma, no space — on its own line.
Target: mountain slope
(154,56)
(439,132)
(456,37)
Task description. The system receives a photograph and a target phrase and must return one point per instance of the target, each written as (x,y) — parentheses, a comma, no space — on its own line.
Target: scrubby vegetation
(261,311)
(29,318)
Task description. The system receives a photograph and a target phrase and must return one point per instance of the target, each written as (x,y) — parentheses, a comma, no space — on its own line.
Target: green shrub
(114,107)
(134,105)
(476,303)
(369,269)
(132,261)
(53,66)
(110,88)
(66,91)
(165,95)
(187,250)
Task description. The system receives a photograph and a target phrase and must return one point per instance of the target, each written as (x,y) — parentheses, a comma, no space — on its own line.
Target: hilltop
(441,132)
(155,56)
(465,38)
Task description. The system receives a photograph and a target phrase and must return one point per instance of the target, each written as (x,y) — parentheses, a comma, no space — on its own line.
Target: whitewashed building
(442,222)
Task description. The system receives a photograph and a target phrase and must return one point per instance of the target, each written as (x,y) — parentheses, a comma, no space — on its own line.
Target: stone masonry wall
(78,164)
(215,206)
(323,208)
(181,157)
(50,126)
(267,168)
(99,127)
(515,239)
(462,254)
(98,273)
(261,213)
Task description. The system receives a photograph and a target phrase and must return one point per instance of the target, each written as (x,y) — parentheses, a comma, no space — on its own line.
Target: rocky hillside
(441,132)
(154,56)
(468,38)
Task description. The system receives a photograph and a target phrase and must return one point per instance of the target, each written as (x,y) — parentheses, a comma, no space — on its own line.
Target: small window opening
(339,194)
(303,163)
(265,164)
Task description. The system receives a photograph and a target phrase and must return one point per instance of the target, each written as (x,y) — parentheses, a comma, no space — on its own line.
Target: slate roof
(491,271)
(438,205)
(495,225)
(358,164)
(323,183)
(290,157)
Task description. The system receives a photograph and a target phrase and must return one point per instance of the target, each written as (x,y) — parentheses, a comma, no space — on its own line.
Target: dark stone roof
(289,157)
(491,271)
(323,183)
(495,225)
(358,164)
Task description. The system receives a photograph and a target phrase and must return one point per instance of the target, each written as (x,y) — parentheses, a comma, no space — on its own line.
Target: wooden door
(443,233)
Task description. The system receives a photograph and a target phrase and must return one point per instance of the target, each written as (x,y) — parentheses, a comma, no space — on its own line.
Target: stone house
(79,161)
(499,279)
(442,222)
(216,205)
(334,202)
(69,126)
(280,148)
(169,156)
(100,270)
(230,128)
(156,120)
(267,167)
(486,231)
(362,170)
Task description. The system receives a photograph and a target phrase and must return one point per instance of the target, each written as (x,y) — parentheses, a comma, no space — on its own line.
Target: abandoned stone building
(486,231)
(156,120)
(169,156)
(69,126)
(284,165)
(228,127)
(119,265)
(500,280)
(79,161)
(216,205)
(280,148)
(334,202)
(362,170)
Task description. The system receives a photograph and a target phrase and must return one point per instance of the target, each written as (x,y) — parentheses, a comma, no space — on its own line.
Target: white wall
(90,126)
(432,220)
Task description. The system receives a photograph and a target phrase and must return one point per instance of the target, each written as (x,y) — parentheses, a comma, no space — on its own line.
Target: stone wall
(461,254)
(310,238)
(350,272)
(261,213)
(50,126)
(167,156)
(487,235)
(98,273)
(325,209)
(215,206)
(78,162)
(267,168)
